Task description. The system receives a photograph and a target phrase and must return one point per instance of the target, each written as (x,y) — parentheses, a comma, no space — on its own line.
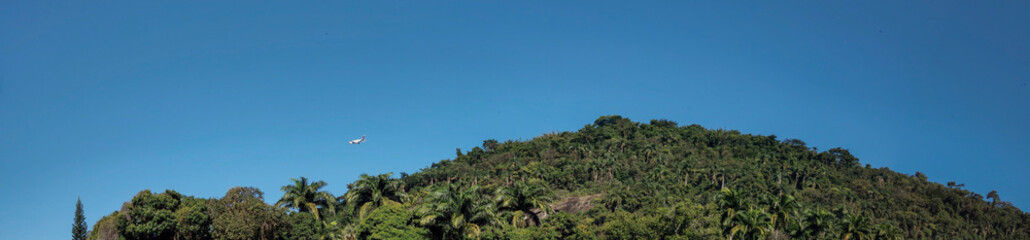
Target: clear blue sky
(100,100)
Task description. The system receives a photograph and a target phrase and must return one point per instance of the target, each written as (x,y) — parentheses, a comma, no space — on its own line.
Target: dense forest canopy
(613,179)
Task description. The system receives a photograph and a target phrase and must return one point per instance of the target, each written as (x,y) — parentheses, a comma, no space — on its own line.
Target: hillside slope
(613,179)
(641,167)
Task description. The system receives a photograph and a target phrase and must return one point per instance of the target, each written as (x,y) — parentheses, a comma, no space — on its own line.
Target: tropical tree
(305,197)
(370,192)
(390,221)
(243,214)
(454,213)
(521,198)
(752,224)
(855,227)
(888,231)
(79,228)
(817,224)
(781,209)
(730,201)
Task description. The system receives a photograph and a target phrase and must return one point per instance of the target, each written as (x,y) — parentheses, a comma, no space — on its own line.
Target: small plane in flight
(358,141)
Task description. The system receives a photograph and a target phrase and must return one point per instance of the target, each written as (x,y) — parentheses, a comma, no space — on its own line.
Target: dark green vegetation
(614,179)
(79,227)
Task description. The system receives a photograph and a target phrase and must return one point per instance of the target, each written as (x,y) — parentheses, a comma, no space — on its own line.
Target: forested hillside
(613,179)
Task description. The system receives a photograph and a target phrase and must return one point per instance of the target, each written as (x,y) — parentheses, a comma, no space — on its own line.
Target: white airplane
(358,141)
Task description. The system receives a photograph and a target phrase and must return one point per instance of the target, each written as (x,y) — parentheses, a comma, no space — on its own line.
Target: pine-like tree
(79,227)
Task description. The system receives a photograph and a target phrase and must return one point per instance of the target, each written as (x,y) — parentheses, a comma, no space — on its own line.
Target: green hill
(613,179)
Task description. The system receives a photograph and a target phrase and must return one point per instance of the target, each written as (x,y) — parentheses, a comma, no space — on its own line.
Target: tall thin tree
(79,228)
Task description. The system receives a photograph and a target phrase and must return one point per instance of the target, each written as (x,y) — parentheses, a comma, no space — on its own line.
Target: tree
(752,224)
(781,209)
(454,213)
(691,220)
(993,196)
(370,192)
(306,197)
(521,198)
(390,221)
(150,216)
(192,221)
(843,157)
(817,224)
(243,214)
(888,231)
(855,227)
(107,227)
(164,216)
(79,228)
(730,201)
(490,145)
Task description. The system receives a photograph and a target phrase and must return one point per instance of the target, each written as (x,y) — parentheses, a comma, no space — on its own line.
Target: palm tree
(521,199)
(855,227)
(781,209)
(370,192)
(752,224)
(888,231)
(454,213)
(817,223)
(730,202)
(306,197)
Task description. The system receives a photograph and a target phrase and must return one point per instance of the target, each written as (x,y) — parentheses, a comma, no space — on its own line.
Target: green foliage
(79,227)
(855,227)
(390,221)
(303,226)
(625,225)
(752,224)
(243,214)
(521,199)
(569,226)
(690,220)
(106,227)
(168,215)
(306,197)
(454,212)
(370,192)
(613,179)
(508,232)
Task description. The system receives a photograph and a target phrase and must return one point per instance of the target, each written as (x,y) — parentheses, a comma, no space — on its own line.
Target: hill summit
(612,179)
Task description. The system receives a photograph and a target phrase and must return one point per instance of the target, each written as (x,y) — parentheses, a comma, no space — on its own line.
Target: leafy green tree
(107,227)
(79,228)
(691,220)
(782,208)
(568,226)
(625,225)
(370,192)
(390,221)
(454,213)
(730,202)
(192,220)
(855,227)
(306,197)
(490,145)
(752,224)
(243,214)
(303,226)
(521,198)
(150,216)
(888,231)
(995,199)
(168,215)
(816,225)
